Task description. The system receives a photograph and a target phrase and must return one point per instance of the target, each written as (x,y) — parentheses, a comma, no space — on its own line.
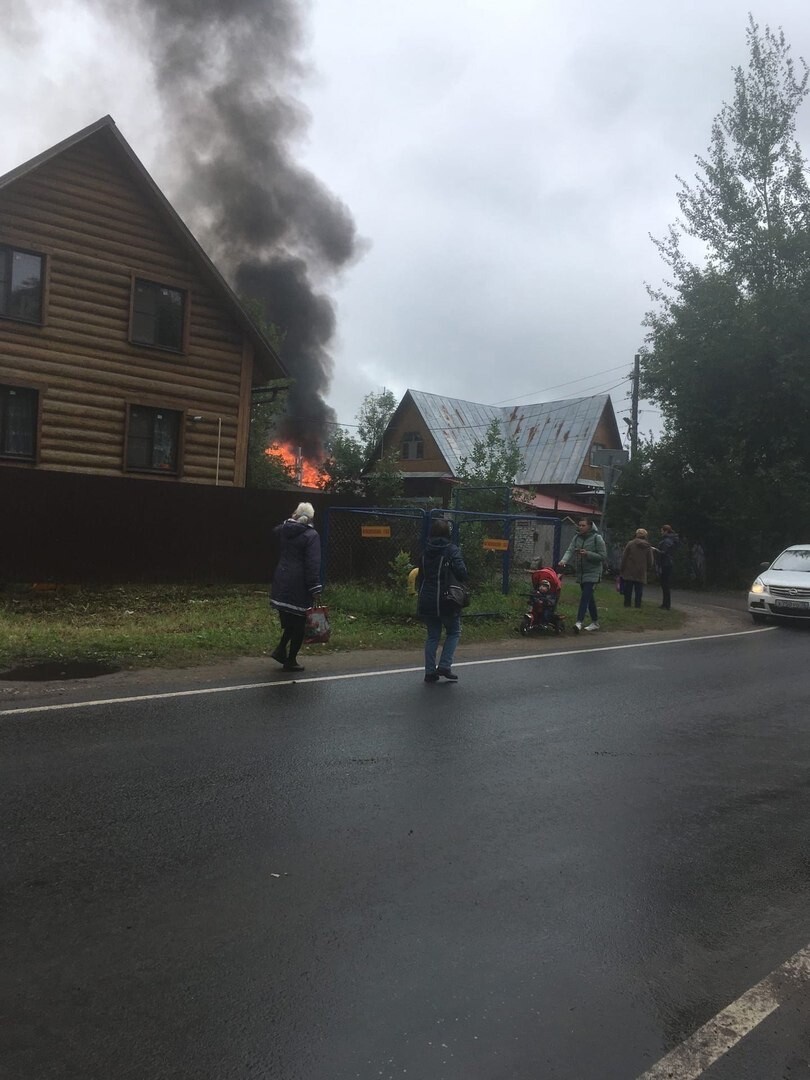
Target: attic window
(413,448)
(20,284)
(594,446)
(158,315)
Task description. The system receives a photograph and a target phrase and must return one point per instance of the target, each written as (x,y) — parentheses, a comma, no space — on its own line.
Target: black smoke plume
(226,71)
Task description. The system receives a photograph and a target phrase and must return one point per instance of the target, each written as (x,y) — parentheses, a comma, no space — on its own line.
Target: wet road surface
(558,868)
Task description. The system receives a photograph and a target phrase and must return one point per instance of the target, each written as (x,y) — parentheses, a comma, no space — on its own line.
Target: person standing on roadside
(296,582)
(433,606)
(637,560)
(586,555)
(667,546)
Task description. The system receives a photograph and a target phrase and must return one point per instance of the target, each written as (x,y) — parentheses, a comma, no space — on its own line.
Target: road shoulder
(706,614)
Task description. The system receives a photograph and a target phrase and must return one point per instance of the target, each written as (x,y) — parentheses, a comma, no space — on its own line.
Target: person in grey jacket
(296,582)
(433,606)
(586,554)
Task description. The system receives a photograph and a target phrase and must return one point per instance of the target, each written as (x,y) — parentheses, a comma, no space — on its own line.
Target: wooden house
(556,440)
(123,351)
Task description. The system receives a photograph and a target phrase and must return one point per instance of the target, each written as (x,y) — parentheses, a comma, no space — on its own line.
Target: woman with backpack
(434,605)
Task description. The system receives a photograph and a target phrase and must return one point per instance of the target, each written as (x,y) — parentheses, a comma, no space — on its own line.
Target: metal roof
(553,437)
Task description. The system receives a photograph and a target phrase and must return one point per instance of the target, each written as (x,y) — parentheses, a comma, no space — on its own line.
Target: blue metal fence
(354,553)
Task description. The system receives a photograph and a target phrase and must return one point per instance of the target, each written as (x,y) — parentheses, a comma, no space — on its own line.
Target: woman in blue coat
(432,605)
(296,582)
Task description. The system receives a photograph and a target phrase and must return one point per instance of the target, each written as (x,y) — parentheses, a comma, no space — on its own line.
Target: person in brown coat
(637,559)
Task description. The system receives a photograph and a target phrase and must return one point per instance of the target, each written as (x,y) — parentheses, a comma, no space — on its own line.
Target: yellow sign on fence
(375,531)
(495,545)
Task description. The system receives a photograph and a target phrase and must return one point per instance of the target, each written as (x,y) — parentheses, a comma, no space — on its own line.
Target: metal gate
(497,546)
(363,544)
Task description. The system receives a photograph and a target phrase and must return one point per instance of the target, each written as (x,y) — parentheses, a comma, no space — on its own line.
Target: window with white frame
(413,447)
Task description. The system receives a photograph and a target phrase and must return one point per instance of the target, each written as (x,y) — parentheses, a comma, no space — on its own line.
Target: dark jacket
(432,581)
(667,546)
(637,559)
(297,580)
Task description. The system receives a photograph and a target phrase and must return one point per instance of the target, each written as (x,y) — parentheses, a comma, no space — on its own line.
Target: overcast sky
(505,162)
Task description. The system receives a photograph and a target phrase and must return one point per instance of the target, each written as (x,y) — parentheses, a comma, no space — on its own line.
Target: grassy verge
(141,626)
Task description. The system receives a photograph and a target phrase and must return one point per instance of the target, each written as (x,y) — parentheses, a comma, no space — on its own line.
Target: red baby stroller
(542,615)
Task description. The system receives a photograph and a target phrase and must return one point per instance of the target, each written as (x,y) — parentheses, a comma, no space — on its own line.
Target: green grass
(140,626)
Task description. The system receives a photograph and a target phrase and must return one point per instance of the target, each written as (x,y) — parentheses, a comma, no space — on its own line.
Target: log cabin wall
(99,227)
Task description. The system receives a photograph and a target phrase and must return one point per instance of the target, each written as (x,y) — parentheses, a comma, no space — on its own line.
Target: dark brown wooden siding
(87,212)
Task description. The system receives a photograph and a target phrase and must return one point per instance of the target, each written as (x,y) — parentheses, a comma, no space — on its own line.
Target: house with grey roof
(556,439)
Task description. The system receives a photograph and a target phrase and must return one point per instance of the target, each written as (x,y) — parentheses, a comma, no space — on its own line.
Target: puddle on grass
(53,670)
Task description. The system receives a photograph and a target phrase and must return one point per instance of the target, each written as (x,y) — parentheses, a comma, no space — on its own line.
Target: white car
(783,589)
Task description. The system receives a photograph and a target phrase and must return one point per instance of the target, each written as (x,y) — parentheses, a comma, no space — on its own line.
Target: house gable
(90,209)
(554,438)
(409,420)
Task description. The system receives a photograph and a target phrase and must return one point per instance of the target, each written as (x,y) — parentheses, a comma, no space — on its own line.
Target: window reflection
(20,284)
(793,560)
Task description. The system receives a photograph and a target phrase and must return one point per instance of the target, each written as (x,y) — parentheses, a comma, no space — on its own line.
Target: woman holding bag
(433,605)
(296,582)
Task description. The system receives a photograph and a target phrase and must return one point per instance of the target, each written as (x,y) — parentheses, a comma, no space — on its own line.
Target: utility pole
(634,406)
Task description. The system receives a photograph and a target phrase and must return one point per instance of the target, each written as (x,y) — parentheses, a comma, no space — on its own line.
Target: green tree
(349,468)
(489,472)
(727,357)
(372,418)
(341,471)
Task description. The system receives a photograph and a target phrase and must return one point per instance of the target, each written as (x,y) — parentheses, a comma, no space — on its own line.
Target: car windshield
(793,560)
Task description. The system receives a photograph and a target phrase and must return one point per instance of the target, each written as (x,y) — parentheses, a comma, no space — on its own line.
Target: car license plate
(791,603)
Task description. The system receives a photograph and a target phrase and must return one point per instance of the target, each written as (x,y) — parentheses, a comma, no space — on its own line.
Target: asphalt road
(557,869)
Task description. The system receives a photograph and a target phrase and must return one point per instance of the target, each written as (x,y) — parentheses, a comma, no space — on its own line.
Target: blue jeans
(452,627)
(587,602)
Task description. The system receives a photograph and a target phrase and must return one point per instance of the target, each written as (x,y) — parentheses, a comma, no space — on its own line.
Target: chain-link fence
(376,545)
(371,545)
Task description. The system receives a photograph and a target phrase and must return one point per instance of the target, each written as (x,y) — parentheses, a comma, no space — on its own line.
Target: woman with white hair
(296,582)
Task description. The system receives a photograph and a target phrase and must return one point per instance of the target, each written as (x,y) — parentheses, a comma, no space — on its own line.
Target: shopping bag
(318,628)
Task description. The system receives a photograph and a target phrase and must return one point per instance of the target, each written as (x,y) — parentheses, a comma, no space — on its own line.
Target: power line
(570,382)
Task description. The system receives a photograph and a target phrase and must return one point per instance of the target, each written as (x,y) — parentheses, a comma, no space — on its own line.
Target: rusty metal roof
(554,437)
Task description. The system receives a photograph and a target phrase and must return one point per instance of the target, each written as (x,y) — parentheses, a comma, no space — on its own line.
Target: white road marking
(694,1056)
(364,674)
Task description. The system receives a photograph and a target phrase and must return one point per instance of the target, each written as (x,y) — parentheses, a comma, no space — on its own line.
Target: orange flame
(304,472)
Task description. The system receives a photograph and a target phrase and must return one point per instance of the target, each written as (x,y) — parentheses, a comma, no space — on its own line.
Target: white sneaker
(577,627)
(592,626)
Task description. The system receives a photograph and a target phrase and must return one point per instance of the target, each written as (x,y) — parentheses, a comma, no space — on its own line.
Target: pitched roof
(266,356)
(553,437)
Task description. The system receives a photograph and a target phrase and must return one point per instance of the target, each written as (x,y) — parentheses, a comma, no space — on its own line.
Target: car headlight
(758,586)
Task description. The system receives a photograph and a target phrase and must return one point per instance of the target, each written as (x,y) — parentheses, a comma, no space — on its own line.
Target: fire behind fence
(375,546)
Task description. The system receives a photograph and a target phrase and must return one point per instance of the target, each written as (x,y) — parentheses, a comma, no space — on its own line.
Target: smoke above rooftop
(226,72)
